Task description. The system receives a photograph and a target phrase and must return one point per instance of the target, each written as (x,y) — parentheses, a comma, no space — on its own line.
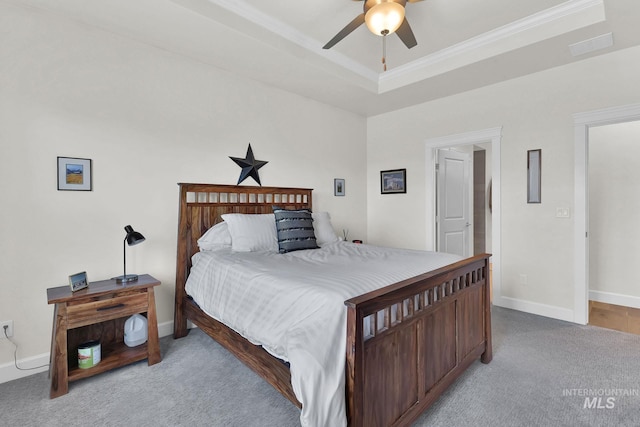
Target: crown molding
(280,31)
(587,12)
(578,13)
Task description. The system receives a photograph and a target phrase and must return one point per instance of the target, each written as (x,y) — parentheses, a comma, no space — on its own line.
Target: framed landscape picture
(74,174)
(393,181)
(78,281)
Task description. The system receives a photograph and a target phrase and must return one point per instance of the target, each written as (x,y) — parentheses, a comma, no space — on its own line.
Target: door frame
(493,136)
(581,124)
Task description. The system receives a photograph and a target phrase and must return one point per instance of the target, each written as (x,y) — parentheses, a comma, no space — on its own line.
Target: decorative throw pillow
(323,229)
(295,230)
(252,232)
(215,238)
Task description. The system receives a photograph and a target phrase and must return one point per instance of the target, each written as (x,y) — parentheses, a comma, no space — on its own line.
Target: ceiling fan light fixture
(384,18)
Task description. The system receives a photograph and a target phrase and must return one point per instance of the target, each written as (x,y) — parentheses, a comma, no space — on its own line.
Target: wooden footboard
(406,343)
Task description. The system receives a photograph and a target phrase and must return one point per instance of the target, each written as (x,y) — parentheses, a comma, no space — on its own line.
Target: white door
(453,218)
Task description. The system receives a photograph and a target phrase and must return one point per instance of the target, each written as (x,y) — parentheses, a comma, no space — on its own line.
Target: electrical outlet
(9,325)
(523,279)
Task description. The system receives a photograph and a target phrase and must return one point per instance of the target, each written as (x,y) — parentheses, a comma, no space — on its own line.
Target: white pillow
(216,237)
(251,232)
(323,229)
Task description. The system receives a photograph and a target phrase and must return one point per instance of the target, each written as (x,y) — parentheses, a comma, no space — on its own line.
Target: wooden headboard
(202,205)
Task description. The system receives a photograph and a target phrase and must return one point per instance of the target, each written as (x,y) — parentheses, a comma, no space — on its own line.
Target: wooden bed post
(353,365)
(487,356)
(182,266)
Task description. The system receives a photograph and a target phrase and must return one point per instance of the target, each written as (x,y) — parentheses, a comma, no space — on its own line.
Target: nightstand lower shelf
(112,357)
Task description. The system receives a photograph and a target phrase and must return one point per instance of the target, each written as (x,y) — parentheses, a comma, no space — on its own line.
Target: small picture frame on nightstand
(78,281)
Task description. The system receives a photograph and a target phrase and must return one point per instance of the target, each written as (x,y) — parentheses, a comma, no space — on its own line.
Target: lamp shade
(133,237)
(384,18)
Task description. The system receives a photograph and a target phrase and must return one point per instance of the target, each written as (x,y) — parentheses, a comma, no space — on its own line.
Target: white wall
(614,203)
(148,119)
(534,111)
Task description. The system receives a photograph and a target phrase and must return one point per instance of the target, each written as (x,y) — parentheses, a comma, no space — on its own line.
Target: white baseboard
(165,329)
(535,308)
(615,299)
(8,371)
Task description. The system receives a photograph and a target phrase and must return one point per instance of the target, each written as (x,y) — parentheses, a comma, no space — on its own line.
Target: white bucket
(135,330)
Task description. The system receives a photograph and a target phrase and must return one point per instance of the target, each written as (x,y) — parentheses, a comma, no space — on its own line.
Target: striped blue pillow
(295,230)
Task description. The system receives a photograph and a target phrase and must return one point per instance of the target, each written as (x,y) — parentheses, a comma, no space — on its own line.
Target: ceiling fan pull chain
(384,52)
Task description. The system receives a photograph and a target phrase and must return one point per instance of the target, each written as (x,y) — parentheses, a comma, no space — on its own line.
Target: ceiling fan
(383,17)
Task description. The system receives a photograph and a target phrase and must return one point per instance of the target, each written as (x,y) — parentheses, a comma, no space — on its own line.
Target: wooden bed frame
(419,335)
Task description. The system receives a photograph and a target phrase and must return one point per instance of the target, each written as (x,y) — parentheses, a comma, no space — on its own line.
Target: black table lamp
(132,238)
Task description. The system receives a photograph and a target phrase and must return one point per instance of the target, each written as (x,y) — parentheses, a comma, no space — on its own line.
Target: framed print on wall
(393,181)
(338,187)
(74,174)
(534,180)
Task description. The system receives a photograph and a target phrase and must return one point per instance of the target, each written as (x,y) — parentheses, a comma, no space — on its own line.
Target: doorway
(582,123)
(463,200)
(614,301)
(488,138)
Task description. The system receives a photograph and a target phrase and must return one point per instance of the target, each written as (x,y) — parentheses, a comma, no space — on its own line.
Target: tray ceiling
(462,44)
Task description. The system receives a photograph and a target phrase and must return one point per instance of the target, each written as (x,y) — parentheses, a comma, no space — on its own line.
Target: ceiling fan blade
(406,34)
(414,1)
(359,20)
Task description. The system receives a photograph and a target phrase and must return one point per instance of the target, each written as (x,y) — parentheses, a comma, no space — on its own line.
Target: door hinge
(437,166)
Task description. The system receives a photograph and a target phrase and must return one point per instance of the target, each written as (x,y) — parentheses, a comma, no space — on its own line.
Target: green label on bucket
(88,355)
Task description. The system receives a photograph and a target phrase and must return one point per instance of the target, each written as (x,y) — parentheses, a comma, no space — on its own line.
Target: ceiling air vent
(601,42)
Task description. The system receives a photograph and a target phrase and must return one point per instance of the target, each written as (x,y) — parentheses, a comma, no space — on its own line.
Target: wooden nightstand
(98,313)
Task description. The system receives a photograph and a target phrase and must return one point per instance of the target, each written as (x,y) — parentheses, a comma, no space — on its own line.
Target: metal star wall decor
(249,166)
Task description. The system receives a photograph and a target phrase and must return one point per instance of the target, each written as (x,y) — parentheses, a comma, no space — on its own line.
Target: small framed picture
(534,182)
(338,187)
(393,181)
(78,281)
(74,174)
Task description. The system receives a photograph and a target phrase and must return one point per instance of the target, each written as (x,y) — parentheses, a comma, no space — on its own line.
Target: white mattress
(293,305)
